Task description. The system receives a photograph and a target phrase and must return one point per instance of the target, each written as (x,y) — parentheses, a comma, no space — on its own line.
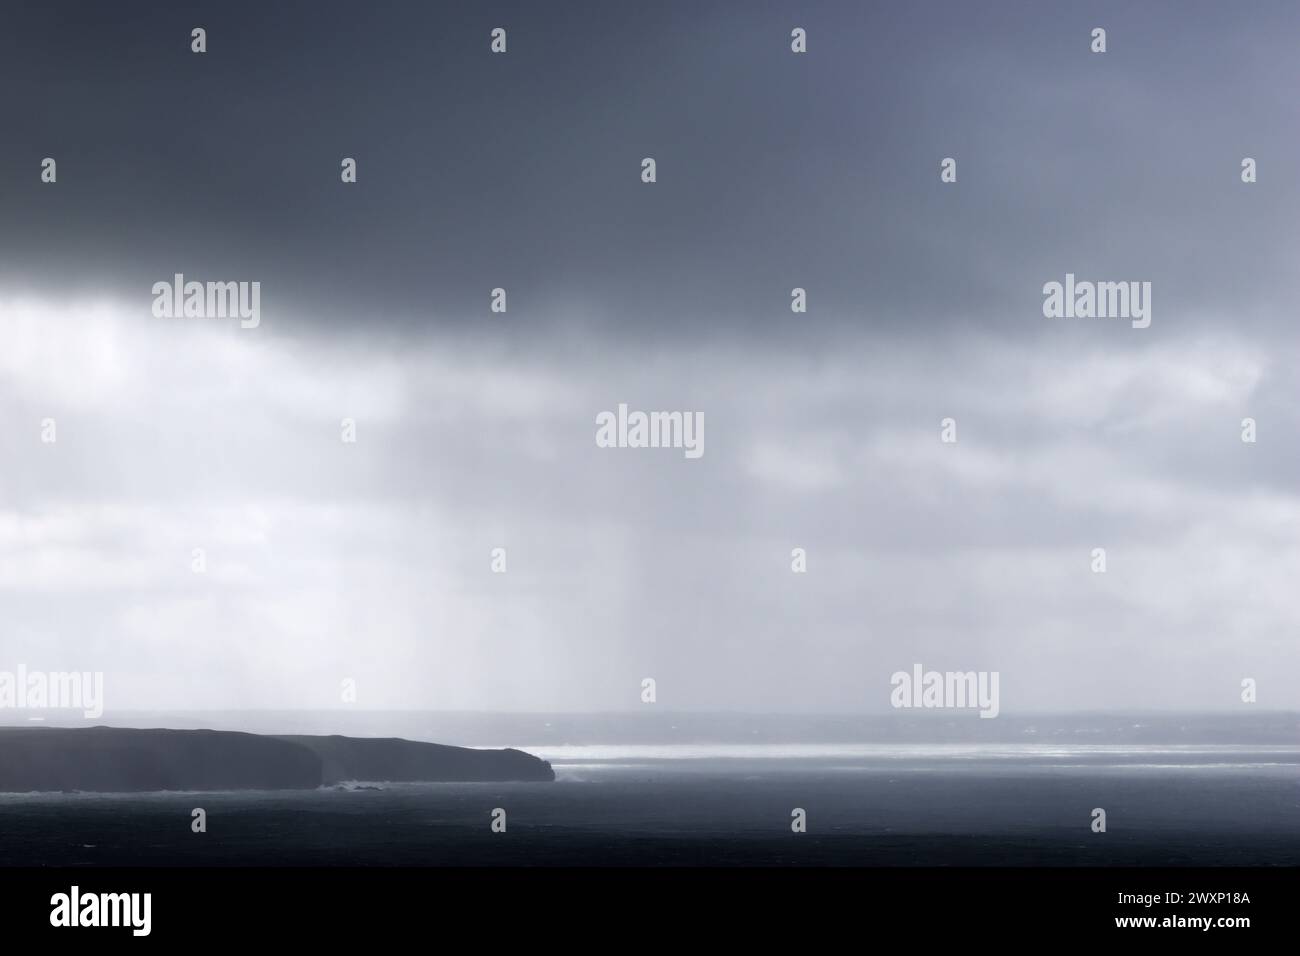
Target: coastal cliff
(396,760)
(122,760)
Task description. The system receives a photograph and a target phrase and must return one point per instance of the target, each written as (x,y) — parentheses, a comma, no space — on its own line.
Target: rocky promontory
(123,760)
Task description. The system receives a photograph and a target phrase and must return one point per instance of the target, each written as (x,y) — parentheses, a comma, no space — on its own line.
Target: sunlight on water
(1155,754)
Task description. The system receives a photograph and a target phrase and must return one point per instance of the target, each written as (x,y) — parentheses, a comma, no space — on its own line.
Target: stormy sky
(371,560)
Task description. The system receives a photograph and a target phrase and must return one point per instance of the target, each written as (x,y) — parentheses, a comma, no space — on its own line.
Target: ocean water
(720,804)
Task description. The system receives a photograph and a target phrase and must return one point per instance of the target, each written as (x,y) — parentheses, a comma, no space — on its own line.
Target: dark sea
(899,803)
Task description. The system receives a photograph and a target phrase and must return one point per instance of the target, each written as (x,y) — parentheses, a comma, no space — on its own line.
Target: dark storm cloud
(822,430)
(775,170)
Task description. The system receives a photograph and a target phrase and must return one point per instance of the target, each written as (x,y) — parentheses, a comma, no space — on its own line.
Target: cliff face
(111,759)
(393,759)
(119,760)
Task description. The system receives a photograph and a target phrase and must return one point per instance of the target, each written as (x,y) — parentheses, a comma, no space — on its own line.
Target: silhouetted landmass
(396,760)
(121,760)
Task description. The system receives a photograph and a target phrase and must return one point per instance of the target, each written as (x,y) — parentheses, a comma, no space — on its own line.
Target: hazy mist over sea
(656,726)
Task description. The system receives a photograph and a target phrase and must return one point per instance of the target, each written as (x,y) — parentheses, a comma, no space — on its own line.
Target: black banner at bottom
(610,906)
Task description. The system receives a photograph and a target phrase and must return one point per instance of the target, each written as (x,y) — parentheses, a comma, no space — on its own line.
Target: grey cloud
(822,430)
